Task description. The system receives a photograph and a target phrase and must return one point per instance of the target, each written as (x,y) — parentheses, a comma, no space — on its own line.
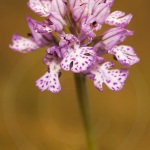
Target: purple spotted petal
(23,45)
(117,18)
(41,7)
(114,79)
(125,55)
(78,60)
(49,81)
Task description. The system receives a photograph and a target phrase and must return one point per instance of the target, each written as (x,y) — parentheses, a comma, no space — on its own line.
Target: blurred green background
(35,120)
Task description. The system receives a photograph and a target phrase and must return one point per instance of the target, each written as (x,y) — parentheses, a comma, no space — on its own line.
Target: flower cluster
(70,30)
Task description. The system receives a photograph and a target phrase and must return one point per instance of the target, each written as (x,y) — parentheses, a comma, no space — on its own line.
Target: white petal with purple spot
(23,45)
(80,59)
(49,81)
(114,79)
(117,18)
(125,55)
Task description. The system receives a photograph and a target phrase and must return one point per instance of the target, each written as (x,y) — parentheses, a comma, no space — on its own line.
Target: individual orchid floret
(94,19)
(41,39)
(76,58)
(54,22)
(112,37)
(117,18)
(33,42)
(41,7)
(23,45)
(114,79)
(125,55)
(50,80)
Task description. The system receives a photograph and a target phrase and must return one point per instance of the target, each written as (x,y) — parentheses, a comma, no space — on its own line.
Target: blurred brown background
(35,120)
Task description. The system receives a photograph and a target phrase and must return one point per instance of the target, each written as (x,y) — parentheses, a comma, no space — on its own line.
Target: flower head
(70,30)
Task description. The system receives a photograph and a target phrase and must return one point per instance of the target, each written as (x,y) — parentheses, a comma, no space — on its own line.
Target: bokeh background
(35,120)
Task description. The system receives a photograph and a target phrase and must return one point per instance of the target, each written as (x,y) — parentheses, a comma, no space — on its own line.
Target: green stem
(80,82)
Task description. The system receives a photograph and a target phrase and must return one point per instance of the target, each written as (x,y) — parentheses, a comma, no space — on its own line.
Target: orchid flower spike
(71,31)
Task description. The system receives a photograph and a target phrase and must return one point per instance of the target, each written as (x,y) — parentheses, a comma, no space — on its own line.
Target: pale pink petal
(114,79)
(125,55)
(41,7)
(117,18)
(23,45)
